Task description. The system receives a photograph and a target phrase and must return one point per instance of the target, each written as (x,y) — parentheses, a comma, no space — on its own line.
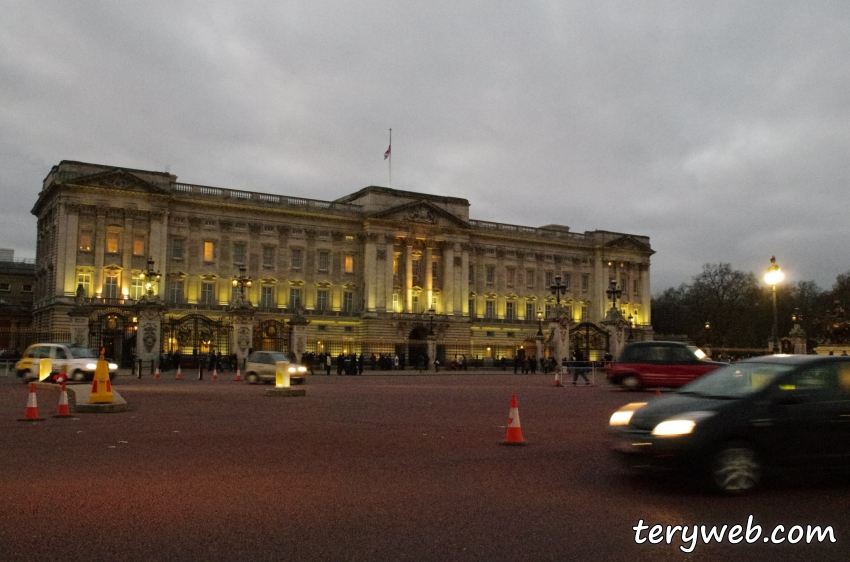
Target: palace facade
(374,272)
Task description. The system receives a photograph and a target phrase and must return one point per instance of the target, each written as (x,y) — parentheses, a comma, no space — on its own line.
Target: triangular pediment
(628,242)
(421,212)
(118,179)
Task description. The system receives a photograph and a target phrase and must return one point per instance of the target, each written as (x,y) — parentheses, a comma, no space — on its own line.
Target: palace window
(529,278)
(138,245)
(547,311)
(471,273)
(491,274)
(509,310)
(111,242)
(267,296)
(208,293)
(84,279)
(294,297)
(584,313)
(85,240)
(472,308)
(175,292)
(137,287)
(324,260)
(635,287)
(566,280)
(349,264)
(177,249)
(238,253)
(510,273)
(396,307)
(585,282)
(347,301)
(549,279)
(297,254)
(209,250)
(322,299)
(435,267)
(268,256)
(490,309)
(529,311)
(110,287)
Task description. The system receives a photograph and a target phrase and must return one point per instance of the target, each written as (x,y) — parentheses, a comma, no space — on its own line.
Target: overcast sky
(718,129)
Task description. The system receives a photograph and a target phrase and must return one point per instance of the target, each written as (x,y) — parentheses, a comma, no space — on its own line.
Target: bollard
(282,374)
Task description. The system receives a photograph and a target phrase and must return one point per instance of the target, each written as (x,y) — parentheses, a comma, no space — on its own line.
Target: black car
(768,413)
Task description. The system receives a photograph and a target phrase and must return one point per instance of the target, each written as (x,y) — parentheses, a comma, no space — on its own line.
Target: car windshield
(736,380)
(83,353)
(272,358)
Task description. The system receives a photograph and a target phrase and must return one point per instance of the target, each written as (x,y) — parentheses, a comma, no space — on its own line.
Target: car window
(41,352)
(679,355)
(59,353)
(83,353)
(819,381)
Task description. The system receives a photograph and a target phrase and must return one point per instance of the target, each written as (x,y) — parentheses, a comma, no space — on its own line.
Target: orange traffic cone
(63,411)
(658,392)
(178,376)
(156,373)
(238,374)
(32,407)
(514,436)
(558,377)
(215,374)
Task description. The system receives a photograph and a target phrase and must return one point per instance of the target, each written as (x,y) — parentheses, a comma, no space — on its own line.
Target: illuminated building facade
(363,270)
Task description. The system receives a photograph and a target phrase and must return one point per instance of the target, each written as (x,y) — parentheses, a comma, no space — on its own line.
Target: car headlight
(624,415)
(297,369)
(683,424)
(113,367)
(91,366)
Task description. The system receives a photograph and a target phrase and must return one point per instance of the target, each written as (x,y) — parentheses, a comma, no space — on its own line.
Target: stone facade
(364,270)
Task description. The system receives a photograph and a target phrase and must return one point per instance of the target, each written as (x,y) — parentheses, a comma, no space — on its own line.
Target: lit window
(112,243)
(84,279)
(209,250)
(138,245)
(85,240)
(349,264)
(396,307)
(137,287)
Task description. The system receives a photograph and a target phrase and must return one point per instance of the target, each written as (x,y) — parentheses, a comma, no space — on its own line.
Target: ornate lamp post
(614,293)
(431,316)
(151,277)
(558,289)
(540,322)
(242,281)
(631,320)
(773,276)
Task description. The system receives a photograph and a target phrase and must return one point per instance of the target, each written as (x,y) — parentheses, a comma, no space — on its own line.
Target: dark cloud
(715,128)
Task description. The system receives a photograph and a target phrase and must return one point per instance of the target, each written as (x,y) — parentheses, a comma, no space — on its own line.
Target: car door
(810,414)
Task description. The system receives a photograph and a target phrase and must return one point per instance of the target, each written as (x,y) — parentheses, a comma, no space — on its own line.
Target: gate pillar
(615,324)
(798,340)
(298,333)
(243,330)
(149,328)
(559,334)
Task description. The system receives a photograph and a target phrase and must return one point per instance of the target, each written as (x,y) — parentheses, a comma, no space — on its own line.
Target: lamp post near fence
(242,281)
(613,293)
(773,276)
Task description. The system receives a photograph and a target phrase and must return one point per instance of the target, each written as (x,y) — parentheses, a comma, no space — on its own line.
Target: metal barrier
(7,367)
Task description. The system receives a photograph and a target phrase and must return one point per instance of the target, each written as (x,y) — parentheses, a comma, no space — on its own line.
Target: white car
(261,366)
(76,361)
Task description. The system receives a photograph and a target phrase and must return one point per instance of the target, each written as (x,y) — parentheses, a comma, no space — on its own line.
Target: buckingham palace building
(378,271)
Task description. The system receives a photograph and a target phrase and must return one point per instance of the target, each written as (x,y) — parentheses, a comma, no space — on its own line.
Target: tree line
(727,308)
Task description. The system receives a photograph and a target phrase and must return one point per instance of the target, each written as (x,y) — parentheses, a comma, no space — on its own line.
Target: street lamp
(613,293)
(631,320)
(773,276)
(558,289)
(540,322)
(431,314)
(242,281)
(151,276)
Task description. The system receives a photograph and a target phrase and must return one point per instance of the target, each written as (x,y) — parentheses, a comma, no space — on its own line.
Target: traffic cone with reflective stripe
(178,376)
(63,411)
(215,374)
(558,377)
(156,373)
(32,407)
(238,374)
(514,436)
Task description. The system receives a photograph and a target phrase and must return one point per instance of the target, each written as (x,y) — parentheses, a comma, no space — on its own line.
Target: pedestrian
(360,364)
(395,361)
(328,361)
(339,362)
(578,370)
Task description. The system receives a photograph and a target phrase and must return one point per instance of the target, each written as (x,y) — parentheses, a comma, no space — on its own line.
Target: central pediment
(118,179)
(421,212)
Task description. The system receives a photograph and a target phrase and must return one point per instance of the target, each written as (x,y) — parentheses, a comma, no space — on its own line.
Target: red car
(659,364)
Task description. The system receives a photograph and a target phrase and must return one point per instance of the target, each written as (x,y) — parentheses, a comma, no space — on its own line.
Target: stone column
(463,286)
(408,276)
(370,273)
(99,249)
(429,279)
(158,235)
(388,273)
(432,350)
(645,297)
(66,276)
(448,278)
(127,254)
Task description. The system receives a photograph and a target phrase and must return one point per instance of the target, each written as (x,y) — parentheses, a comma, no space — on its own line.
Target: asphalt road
(363,468)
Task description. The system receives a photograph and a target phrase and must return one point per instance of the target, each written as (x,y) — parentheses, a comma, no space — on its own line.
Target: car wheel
(78,375)
(630,382)
(736,469)
(252,378)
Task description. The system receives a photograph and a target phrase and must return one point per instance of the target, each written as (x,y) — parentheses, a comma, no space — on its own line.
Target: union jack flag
(387,153)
